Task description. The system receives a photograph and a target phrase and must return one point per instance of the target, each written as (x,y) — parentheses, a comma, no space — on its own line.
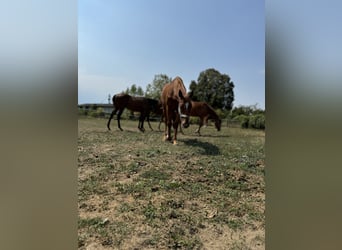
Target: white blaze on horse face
(180,112)
(187,106)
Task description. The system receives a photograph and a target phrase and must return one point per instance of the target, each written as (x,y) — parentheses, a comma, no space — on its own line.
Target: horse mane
(178,85)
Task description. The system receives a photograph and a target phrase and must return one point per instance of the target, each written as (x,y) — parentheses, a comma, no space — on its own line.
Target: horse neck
(212,113)
(179,85)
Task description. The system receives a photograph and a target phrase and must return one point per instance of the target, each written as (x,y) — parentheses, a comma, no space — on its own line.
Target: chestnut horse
(138,104)
(176,104)
(205,112)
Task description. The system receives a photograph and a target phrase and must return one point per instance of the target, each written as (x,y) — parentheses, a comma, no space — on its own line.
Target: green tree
(133,90)
(247,110)
(214,88)
(127,91)
(140,91)
(153,90)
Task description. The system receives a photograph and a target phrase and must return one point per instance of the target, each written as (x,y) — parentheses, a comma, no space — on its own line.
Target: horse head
(218,124)
(184,108)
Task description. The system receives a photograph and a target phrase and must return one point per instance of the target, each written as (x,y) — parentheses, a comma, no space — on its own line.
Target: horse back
(171,90)
(139,104)
(121,100)
(202,109)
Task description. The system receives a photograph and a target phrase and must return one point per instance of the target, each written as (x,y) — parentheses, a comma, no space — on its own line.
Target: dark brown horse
(138,104)
(176,104)
(205,112)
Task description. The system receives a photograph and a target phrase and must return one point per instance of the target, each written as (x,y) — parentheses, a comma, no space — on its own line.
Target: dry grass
(139,192)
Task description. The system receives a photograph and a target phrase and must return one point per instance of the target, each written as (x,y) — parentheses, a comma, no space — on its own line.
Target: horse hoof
(174,142)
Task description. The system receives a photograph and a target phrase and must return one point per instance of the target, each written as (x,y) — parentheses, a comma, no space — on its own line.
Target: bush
(251,121)
(243,119)
(221,114)
(97,112)
(257,121)
(82,111)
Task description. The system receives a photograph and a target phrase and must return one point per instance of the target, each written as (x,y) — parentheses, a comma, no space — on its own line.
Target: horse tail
(113,100)
(112,114)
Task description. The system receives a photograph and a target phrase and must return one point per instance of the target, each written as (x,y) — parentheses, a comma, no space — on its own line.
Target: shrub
(221,114)
(257,121)
(97,112)
(82,111)
(243,119)
(251,121)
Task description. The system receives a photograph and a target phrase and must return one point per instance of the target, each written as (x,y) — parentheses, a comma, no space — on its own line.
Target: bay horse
(205,112)
(133,103)
(176,104)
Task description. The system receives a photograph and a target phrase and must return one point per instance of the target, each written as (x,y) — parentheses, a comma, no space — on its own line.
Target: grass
(138,192)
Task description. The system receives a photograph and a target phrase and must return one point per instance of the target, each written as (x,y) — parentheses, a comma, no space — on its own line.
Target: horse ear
(190,94)
(180,94)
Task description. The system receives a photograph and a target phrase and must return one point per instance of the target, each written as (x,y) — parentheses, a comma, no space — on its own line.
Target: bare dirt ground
(139,192)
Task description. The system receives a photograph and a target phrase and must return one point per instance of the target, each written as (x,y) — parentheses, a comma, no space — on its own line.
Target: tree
(134,91)
(247,110)
(153,90)
(214,88)
(140,91)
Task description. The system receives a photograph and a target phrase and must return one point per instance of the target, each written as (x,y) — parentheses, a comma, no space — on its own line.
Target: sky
(127,42)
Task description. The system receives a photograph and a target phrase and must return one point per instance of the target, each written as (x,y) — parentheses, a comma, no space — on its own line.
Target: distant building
(107,108)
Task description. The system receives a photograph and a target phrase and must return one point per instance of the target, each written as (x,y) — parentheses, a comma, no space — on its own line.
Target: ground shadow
(208,135)
(208,148)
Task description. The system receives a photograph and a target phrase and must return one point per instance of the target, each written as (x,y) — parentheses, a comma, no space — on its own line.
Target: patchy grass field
(136,191)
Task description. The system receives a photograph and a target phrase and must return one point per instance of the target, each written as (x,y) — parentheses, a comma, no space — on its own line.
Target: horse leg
(148,121)
(198,130)
(175,127)
(110,118)
(179,121)
(167,129)
(119,116)
(168,134)
(180,129)
(200,125)
(141,123)
(160,122)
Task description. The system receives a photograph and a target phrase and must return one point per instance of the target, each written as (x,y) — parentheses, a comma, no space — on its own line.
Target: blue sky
(127,42)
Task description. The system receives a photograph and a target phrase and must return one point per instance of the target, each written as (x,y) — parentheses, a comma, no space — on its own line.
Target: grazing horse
(176,104)
(205,112)
(138,104)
